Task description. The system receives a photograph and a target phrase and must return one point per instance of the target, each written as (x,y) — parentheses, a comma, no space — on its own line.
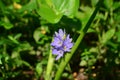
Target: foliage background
(26,33)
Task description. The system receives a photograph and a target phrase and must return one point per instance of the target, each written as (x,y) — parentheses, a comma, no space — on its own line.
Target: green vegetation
(27,28)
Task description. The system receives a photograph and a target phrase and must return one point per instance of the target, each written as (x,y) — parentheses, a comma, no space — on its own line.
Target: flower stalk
(68,56)
(49,67)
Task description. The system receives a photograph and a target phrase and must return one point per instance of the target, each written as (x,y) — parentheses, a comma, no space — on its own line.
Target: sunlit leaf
(6,23)
(53,10)
(13,39)
(108,35)
(72,8)
(83,63)
(49,14)
(39,69)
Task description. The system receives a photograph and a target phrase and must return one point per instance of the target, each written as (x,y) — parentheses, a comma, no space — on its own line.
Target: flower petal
(62,43)
(57,42)
(59,55)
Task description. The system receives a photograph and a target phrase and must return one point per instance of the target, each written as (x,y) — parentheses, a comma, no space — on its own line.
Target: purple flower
(61,43)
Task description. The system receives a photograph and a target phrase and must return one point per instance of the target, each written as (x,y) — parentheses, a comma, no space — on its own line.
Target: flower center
(64,36)
(61,51)
(60,43)
(65,47)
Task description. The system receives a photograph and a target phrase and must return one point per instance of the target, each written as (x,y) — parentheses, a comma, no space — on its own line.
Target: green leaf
(108,3)
(72,8)
(17,36)
(108,35)
(53,10)
(91,61)
(29,7)
(83,63)
(6,23)
(49,14)
(37,34)
(25,46)
(60,5)
(117,60)
(13,39)
(90,30)
(116,5)
(67,7)
(26,64)
(39,69)
(84,15)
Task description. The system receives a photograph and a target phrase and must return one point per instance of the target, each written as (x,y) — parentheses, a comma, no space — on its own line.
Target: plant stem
(68,56)
(49,67)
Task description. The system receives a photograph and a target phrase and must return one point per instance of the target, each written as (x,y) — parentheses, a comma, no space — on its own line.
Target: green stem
(68,56)
(49,67)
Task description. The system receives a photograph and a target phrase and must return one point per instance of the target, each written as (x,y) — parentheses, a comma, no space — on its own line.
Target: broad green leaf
(53,10)
(60,5)
(72,8)
(49,2)
(49,14)
(108,35)
(67,7)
